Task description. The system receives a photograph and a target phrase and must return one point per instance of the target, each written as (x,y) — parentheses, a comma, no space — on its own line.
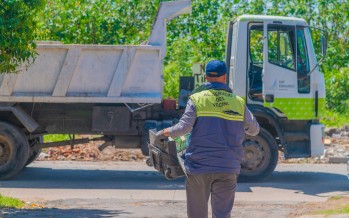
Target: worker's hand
(160,136)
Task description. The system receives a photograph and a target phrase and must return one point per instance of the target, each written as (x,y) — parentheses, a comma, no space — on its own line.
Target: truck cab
(273,67)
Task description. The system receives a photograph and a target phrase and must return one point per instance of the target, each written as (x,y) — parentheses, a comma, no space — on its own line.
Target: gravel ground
(336,145)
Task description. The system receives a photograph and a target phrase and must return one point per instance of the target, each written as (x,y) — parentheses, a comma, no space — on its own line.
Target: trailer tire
(14,150)
(34,152)
(260,157)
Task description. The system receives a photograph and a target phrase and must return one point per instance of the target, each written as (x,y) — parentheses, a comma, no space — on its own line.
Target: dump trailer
(115,93)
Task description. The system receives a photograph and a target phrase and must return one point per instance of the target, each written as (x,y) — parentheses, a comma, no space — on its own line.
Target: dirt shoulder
(334,206)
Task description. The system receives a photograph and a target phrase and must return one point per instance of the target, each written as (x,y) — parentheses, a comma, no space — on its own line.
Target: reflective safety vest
(219,103)
(215,144)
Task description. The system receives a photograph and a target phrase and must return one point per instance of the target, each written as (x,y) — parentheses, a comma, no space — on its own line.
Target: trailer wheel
(34,152)
(260,156)
(14,150)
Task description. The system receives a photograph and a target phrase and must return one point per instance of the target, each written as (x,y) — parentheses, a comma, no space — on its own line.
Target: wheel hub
(253,154)
(4,153)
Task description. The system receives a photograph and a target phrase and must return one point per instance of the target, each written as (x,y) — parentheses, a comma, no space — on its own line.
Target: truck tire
(14,150)
(260,156)
(34,152)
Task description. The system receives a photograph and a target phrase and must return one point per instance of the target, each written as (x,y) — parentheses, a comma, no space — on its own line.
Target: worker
(217,120)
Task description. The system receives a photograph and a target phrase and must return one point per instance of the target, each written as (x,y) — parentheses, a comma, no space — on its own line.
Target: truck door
(286,85)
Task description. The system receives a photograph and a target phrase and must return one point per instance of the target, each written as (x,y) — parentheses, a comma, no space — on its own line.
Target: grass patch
(63,137)
(334,198)
(56,137)
(8,202)
(334,206)
(344,210)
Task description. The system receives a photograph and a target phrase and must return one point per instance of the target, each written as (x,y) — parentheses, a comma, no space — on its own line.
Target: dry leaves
(90,152)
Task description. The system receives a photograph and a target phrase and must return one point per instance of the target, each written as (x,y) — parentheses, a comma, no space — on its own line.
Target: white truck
(116,92)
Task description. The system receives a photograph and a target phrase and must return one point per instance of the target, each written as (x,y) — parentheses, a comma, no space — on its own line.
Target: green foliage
(335,119)
(337,93)
(97,22)
(17,32)
(8,202)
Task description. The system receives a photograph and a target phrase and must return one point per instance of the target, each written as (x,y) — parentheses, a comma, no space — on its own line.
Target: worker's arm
(250,123)
(185,124)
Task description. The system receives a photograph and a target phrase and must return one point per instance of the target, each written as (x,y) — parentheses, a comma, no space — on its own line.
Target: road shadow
(309,183)
(62,213)
(48,178)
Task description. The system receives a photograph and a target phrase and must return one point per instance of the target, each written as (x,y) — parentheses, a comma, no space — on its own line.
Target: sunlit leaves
(98,22)
(338,93)
(17,32)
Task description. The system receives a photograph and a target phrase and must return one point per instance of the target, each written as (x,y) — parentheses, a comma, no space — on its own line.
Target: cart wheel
(168,175)
(149,162)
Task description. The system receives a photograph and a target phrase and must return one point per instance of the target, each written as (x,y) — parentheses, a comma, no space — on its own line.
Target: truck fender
(265,113)
(27,121)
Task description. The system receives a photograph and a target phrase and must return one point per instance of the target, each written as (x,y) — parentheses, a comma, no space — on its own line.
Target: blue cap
(216,68)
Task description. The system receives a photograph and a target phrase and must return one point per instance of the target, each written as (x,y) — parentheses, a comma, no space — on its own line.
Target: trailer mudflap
(163,156)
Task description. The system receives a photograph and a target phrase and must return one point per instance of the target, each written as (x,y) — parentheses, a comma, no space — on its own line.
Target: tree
(18,24)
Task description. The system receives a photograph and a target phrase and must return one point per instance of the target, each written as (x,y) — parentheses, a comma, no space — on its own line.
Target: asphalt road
(132,189)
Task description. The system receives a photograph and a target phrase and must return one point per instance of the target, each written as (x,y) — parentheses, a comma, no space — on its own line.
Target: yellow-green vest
(219,103)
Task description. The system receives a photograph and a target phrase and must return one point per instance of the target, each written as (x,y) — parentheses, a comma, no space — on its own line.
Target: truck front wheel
(260,156)
(14,150)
